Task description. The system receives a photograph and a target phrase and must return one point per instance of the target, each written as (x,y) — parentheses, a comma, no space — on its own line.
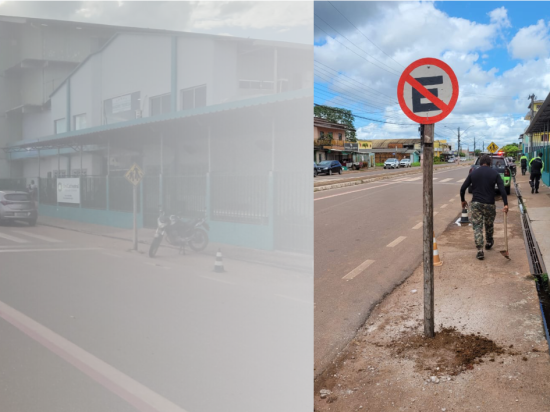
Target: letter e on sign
(427,91)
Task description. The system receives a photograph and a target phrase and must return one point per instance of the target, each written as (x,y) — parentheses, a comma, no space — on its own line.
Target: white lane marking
(452,200)
(353,191)
(133,392)
(359,269)
(435,178)
(13,238)
(418,226)
(446,180)
(40,237)
(460,181)
(435,213)
(49,250)
(444,206)
(412,180)
(397,241)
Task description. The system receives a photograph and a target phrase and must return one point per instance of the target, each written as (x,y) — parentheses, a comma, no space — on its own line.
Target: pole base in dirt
(218,263)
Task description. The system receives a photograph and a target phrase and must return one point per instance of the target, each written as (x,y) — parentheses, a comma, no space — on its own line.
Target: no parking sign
(427,90)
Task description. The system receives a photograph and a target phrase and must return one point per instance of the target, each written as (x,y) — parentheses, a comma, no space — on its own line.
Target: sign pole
(135,218)
(427,206)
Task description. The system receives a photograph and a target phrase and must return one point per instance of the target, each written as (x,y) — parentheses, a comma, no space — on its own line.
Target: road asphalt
(87,325)
(368,239)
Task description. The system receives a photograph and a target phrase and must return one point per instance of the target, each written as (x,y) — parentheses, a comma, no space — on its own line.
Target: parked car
(451,160)
(501,165)
(17,206)
(329,167)
(405,163)
(391,164)
(315,172)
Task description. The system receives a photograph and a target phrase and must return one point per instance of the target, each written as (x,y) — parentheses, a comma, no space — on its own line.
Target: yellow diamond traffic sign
(492,147)
(134,175)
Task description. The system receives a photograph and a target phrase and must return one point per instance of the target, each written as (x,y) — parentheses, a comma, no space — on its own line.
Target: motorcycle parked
(180,233)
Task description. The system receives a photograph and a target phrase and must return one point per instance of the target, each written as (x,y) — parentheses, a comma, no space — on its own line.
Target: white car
(405,163)
(391,164)
(451,160)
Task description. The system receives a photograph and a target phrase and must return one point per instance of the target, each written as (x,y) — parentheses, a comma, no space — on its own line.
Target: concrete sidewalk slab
(492,304)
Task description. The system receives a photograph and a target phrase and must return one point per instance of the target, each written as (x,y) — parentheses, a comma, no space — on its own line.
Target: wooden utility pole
(428,234)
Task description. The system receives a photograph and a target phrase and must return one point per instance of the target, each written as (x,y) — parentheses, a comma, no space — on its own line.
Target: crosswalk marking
(460,181)
(34,235)
(413,179)
(13,238)
(358,269)
(444,206)
(418,226)
(397,241)
(446,180)
(435,178)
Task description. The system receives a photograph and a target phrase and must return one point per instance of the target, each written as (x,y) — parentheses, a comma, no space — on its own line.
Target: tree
(337,115)
(462,154)
(477,152)
(510,150)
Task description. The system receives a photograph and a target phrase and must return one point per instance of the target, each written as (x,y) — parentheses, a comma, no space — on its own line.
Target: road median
(352,181)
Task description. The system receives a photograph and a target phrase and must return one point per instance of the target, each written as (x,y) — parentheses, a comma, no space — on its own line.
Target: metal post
(108,158)
(80,160)
(135,218)
(427,206)
(39,164)
(58,164)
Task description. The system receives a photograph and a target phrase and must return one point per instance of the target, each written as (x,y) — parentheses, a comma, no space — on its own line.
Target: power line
(364,58)
(364,51)
(364,35)
(366,118)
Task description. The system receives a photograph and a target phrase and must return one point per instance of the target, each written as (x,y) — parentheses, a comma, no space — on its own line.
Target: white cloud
(491,100)
(530,42)
(500,17)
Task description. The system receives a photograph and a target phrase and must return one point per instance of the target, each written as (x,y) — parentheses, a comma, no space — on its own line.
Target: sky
(270,20)
(499,51)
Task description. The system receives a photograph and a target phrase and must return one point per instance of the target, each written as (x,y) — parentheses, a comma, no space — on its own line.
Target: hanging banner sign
(427,91)
(68,190)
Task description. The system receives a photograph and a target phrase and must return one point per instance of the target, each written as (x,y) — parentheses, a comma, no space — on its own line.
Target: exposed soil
(449,352)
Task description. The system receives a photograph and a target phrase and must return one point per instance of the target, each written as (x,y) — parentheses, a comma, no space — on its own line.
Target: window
(339,136)
(79,121)
(321,134)
(193,97)
(160,104)
(122,108)
(330,135)
(60,126)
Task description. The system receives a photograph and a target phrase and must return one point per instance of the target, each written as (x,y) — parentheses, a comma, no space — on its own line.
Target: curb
(359,181)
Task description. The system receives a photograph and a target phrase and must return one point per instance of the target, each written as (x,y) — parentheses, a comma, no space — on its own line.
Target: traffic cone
(218,263)
(464,217)
(437,261)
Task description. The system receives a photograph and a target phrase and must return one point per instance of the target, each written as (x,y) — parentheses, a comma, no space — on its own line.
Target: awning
(541,120)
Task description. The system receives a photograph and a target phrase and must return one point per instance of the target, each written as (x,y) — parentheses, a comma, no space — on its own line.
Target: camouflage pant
(483,213)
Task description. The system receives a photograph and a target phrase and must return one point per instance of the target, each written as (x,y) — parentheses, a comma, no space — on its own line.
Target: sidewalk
(280,259)
(538,208)
(490,352)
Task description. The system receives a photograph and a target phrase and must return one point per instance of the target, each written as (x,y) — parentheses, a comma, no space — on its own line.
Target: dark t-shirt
(483,181)
(536,166)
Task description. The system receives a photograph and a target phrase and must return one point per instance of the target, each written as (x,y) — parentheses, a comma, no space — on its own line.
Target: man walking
(537,165)
(523,161)
(483,181)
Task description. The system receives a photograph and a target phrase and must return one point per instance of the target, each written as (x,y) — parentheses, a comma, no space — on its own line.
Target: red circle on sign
(405,78)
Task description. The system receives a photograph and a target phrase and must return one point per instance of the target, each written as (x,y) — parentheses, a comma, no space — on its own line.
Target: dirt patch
(449,352)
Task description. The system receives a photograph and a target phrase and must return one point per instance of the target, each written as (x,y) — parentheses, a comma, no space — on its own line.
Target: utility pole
(483,147)
(428,227)
(474,145)
(532,97)
(458,153)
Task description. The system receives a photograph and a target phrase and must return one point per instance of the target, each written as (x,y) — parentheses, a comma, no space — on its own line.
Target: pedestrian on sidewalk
(483,181)
(537,165)
(523,161)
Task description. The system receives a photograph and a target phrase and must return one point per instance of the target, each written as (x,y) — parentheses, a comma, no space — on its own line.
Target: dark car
(329,167)
(17,206)
(501,165)
(315,172)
